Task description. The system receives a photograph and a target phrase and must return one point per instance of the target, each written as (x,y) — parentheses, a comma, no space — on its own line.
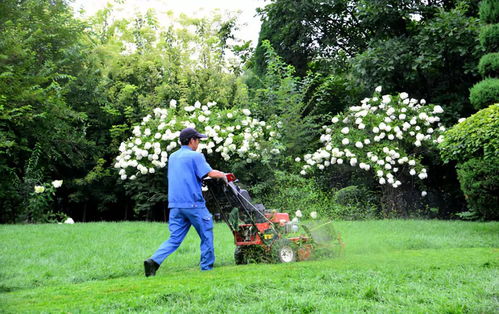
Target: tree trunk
(400,202)
(85,212)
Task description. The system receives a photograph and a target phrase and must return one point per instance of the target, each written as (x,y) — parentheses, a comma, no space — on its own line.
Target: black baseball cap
(189,133)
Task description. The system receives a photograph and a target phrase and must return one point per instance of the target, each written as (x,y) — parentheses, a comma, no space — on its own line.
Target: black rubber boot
(150,267)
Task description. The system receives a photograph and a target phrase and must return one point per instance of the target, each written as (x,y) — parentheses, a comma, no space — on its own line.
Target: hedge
(485,93)
(479,180)
(489,65)
(489,37)
(475,137)
(489,11)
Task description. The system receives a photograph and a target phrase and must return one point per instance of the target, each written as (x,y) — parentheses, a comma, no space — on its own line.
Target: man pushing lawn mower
(186,170)
(259,234)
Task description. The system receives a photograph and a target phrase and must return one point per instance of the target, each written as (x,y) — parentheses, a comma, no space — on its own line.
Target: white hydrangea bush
(233,134)
(384,135)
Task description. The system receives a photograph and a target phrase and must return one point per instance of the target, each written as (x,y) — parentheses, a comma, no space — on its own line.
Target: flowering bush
(40,201)
(232,134)
(384,135)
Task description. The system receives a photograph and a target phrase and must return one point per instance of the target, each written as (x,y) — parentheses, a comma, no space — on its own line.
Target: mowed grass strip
(448,267)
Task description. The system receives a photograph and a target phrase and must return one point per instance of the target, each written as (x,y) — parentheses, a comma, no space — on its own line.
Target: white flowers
(313,215)
(240,136)
(378,89)
(386,99)
(391,126)
(39,189)
(424,193)
(438,109)
(57,183)
(298,214)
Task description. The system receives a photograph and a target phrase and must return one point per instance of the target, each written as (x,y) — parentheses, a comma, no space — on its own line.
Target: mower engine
(259,234)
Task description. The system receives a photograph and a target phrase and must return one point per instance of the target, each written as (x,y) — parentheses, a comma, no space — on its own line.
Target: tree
(143,66)
(40,59)
(426,48)
(386,136)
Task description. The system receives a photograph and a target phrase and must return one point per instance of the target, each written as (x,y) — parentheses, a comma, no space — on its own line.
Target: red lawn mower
(260,235)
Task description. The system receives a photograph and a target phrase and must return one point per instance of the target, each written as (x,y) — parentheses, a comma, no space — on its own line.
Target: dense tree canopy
(425,47)
(72,91)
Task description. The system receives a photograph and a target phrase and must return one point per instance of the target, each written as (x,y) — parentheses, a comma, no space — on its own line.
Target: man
(186,169)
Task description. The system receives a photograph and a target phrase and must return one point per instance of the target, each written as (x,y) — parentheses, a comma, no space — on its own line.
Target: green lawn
(387,266)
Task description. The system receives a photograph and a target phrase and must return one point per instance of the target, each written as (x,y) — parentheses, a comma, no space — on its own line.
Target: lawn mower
(260,234)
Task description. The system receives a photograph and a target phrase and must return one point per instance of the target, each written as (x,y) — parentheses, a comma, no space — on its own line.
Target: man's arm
(216,174)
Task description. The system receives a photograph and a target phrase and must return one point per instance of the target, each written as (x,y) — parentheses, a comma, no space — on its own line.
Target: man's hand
(218,175)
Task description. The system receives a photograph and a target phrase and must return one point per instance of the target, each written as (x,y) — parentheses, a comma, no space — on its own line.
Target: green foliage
(148,192)
(279,97)
(41,59)
(479,179)
(75,89)
(474,144)
(350,196)
(39,208)
(152,65)
(475,137)
(356,203)
(489,65)
(307,30)
(330,94)
(382,44)
(489,37)
(435,60)
(489,11)
(288,192)
(485,93)
(71,90)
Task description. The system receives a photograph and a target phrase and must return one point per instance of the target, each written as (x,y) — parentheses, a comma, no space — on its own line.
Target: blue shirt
(186,169)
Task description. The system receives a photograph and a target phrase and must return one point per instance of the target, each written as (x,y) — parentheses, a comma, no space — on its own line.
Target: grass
(388,266)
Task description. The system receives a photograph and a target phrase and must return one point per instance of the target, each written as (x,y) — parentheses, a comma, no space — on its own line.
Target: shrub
(475,137)
(291,192)
(233,134)
(485,93)
(385,136)
(479,179)
(474,144)
(489,65)
(489,37)
(343,212)
(355,202)
(489,11)
(351,196)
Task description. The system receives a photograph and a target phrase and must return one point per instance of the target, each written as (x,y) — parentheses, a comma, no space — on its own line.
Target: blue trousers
(180,222)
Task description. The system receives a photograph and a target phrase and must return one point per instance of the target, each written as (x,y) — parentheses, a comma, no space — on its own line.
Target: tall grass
(388,265)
